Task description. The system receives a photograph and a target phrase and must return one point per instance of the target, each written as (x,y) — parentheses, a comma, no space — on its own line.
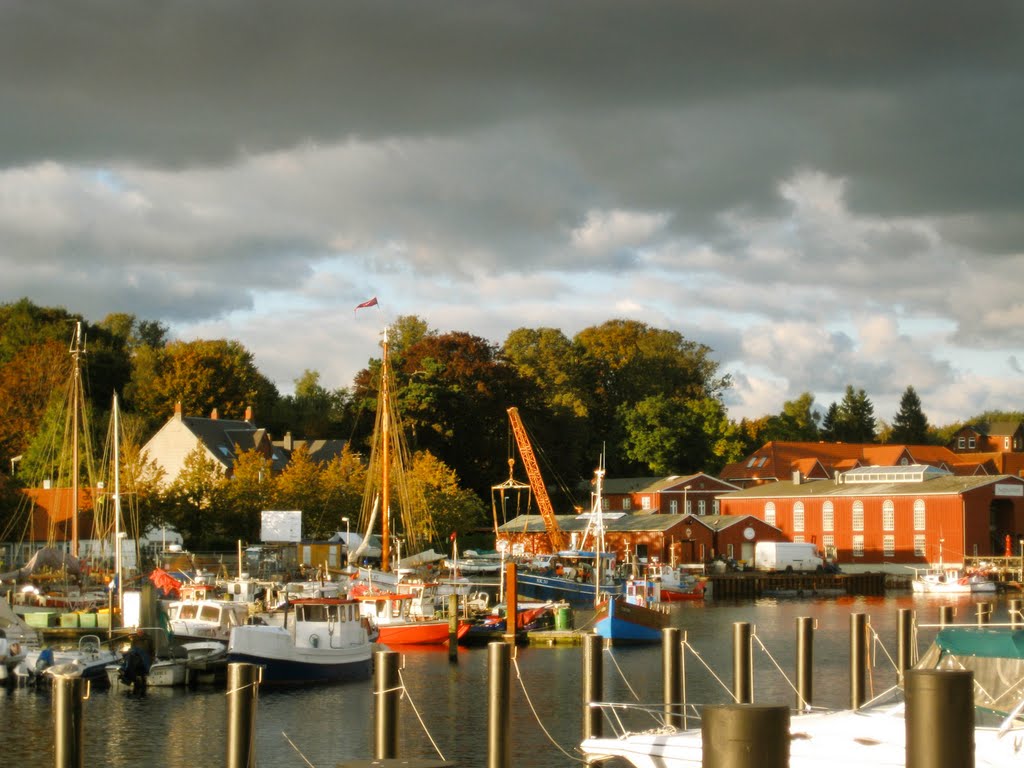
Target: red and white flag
(371,303)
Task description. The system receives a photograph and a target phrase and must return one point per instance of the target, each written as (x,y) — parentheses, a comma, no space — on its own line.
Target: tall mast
(76,393)
(385,404)
(117,503)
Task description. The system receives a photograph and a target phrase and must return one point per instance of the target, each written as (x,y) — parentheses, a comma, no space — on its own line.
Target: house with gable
(221,440)
(673,495)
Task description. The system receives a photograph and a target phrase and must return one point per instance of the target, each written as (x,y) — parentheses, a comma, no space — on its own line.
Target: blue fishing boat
(635,617)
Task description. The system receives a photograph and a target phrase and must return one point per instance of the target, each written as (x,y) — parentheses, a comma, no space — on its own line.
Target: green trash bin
(563,618)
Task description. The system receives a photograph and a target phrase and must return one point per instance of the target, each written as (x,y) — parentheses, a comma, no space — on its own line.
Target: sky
(824,193)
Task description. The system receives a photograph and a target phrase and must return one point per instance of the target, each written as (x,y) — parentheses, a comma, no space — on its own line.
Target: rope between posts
(297,750)
(771,658)
(254,685)
(405,694)
(696,654)
(536,715)
(621,674)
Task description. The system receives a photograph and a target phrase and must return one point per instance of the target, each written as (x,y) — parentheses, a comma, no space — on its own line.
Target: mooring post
(68,694)
(1013,606)
(745,736)
(453,627)
(671,679)
(904,636)
(742,663)
(511,603)
(388,693)
(946,613)
(940,718)
(499,698)
(593,679)
(858,662)
(243,690)
(804,662)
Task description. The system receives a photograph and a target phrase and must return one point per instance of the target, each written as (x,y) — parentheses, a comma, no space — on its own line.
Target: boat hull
(414,633)
(285,663)
(623,622)
(295,672)
(537,586)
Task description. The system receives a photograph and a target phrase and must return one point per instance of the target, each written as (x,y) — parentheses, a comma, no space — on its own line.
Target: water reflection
(323,726)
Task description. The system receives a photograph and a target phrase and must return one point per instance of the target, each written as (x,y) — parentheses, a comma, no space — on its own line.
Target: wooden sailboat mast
(117,504)
(385,549)
(77,350)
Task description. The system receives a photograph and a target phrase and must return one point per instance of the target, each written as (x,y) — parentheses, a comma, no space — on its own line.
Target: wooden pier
(756,584)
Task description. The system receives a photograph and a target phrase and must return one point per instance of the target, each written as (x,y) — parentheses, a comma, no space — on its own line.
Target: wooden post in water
(388,693)
(671,676)
(984,612)
(499,709)
(593,688)
(453,627)
(904,636)
(940,718)
(742,663)
(804,662)
(745,736)
(946,613)
(243,690)
(858,662)
(68,694)
(1014,607)
(511,603)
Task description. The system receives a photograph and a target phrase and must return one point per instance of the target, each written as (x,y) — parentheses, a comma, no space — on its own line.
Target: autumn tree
(247,494)
(300,486)
(195,499)
(453,509)
(343,480)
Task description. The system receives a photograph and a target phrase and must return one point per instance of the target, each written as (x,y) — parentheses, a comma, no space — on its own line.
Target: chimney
(797,477)
(288,440)
(213,414)
(177,410)
(248,413)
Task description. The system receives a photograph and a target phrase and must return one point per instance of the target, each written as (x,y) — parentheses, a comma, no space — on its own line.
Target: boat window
(188,612)
(209,613)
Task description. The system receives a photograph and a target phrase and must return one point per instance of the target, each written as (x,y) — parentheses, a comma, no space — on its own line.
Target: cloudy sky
(825,193)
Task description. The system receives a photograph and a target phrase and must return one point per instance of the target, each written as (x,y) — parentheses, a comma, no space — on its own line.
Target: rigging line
(879,644)
(299,751)
(776,664)
(696,654)
(621,674)
(522,685)
(405,693)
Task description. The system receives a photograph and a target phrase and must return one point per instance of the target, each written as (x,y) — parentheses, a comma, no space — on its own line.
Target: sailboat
(389,462)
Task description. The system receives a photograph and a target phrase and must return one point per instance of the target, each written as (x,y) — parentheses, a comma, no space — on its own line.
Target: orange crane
(555,534)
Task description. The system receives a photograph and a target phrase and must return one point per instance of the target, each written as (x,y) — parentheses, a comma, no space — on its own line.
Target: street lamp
(345,521)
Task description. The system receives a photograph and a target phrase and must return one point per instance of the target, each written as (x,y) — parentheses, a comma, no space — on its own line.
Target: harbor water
(323,726)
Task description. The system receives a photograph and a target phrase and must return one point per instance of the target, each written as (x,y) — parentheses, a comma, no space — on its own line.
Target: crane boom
(540,492)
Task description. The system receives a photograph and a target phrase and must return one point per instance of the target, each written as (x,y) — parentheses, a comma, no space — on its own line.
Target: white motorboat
(88,660)
(326,641)
(951,581)
(197,616)
(874,735)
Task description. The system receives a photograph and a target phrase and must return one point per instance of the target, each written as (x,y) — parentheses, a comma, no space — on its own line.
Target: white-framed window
(961,442)
(627,504)
(645,503)
(918,545)
(971,443)
(888,515)
(606,503)
(798,516)
(714,507)
(769,513)
(673,506)
(798,539)
(1006,443)
(919,516)
(858,516)
(828,541)
(858,545)
(828,516)
(701,510)
(889,545)
(688,504)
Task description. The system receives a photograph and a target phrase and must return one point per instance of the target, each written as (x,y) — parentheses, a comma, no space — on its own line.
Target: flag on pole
(370,303)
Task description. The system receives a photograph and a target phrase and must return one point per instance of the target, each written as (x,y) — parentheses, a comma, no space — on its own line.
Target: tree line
(650,400)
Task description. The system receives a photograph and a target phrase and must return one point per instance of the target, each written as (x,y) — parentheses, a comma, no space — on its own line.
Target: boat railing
(625,718)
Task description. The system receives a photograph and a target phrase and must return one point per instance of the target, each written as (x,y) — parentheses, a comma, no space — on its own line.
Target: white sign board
(281,526)
(1009,489)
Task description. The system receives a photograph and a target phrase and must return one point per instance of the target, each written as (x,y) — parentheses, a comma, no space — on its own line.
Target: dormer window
(961,443)
(970,443)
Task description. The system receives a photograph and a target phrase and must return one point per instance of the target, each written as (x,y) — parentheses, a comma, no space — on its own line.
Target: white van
(787,556)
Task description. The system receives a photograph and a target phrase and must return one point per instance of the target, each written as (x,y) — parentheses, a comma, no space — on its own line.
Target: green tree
(855,418)
(910,426)
(798,421)
(195,499)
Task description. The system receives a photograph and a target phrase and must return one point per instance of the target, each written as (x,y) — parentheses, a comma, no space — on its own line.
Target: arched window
(798,516)
(919,518)
(888,515)
(828,516)
(858,515)
(769,513)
